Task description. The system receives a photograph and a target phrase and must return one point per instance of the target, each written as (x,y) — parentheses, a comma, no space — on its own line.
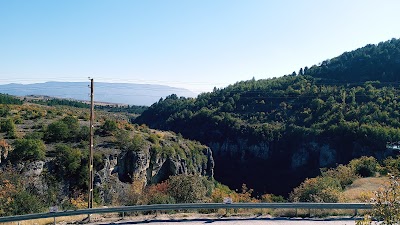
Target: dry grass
(362,189)
(47,220)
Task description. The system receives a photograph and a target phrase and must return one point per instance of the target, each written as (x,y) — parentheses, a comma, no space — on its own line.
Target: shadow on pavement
(212,220)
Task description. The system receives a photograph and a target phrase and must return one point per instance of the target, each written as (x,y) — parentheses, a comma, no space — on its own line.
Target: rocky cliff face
(147,167)
(124,168)
(151,168)
(277,167)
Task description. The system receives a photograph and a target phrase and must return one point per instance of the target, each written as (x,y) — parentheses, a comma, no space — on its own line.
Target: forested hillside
(286,128)
(372,62)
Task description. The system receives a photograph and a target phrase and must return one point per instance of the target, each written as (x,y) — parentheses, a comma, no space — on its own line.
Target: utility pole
(90,194)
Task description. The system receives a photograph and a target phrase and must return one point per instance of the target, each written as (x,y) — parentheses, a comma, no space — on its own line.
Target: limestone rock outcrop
(147,167)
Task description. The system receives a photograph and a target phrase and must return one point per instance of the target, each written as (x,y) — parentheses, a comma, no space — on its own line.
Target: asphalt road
(233,221)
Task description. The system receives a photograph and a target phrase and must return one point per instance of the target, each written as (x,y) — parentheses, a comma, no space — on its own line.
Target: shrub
(136,144)
(70,163)
(71,122)
(122,139)
(56,131)
(272,198)
(220,192)
(65,129)
(34,135)
(344,174)
(83,134)
(98,162)
(391,165)
(160,198)
(25,202)
(153,138)
(67,160)
(74,203)
(157,194)
(187,188)
(168,151)
(4,110)
(28,150)
(244,195)
(386,204)
(8,188)
(15,198)
(125,142)
(9,127)
(318,189)
(365,166)
(109,127)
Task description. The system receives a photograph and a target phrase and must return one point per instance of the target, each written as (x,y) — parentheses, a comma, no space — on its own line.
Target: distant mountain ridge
(123,93)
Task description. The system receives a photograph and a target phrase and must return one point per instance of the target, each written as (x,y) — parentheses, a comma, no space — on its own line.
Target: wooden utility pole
(90,194)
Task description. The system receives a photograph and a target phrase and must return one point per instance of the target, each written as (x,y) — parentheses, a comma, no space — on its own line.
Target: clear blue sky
(197,44)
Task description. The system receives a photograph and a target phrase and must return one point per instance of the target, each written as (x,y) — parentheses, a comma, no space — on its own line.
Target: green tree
(56,131)
(28,150)
(83,134)
(71,122)
(66,129)
(67,160)
(9,127)
(125,142)
(109,127)
(4,110)
(8,99)
(71,165)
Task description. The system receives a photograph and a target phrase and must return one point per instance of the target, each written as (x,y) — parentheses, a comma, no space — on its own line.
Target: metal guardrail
(168,207)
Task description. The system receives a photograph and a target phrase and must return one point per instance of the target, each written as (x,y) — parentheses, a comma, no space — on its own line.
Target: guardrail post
(355,212)
(54,222)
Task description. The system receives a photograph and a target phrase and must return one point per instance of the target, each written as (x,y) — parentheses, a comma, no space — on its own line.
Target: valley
(305,136)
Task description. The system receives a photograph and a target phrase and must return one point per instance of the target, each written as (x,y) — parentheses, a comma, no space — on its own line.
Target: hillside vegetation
(44,159)
(348,103)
